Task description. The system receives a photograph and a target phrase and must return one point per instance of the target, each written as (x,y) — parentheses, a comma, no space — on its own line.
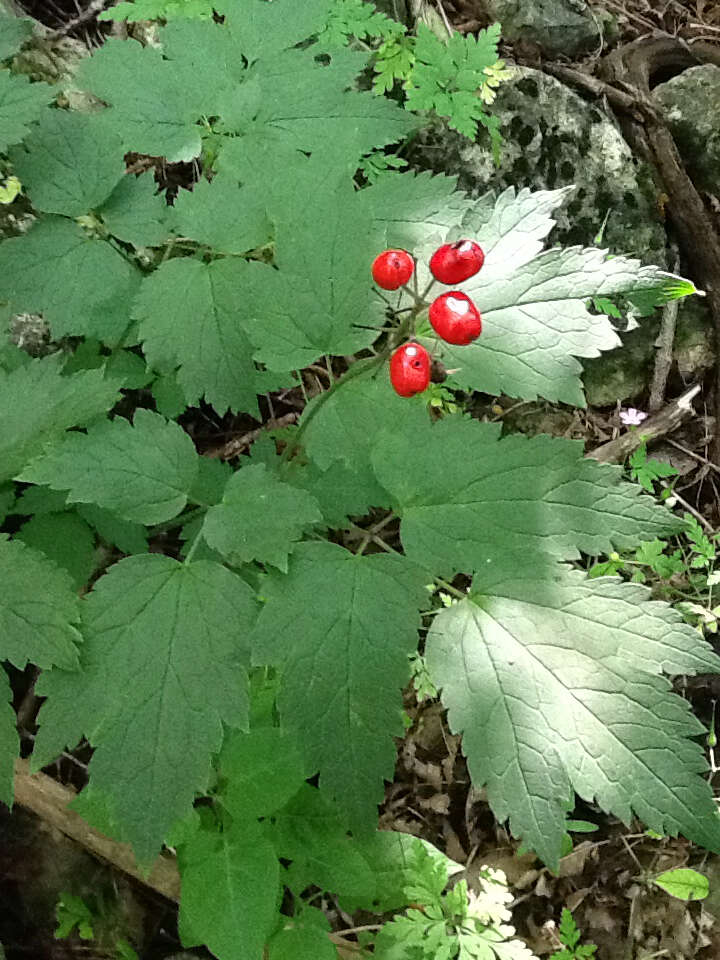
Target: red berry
(454,262)
(392,269)
(455,318)
(410,369)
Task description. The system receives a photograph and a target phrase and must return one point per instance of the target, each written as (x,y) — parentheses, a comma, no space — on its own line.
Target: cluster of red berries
(453,315)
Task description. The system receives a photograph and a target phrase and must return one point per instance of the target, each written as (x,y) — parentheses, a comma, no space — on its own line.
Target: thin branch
(665,343)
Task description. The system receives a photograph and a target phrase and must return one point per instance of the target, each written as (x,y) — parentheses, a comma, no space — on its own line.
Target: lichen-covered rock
(555,26)
(553,138)
(691,104)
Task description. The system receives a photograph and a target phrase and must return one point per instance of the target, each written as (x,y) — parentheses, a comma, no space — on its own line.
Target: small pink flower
(632,417)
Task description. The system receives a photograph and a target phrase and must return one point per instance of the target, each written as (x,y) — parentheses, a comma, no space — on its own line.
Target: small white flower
(632,417)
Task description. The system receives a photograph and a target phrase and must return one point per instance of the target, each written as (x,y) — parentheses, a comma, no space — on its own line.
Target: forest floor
(604,879)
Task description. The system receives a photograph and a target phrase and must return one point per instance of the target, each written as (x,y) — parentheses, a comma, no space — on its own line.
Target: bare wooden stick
(665,343)
(50,800)
(236,446)
(663,422)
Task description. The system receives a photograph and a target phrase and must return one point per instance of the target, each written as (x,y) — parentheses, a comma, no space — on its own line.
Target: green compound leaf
(345,659)
(525,495)
(188,313)
(9,742)
(142,472)
(447,76)
(230,887)
(355,18)
(261,771)
(536,321)
(65,539)
(158,636)
(136,213)
(82,286)
(21,103)
(37,623)
(260,518)
(38,404)
(555,683)
(68,164)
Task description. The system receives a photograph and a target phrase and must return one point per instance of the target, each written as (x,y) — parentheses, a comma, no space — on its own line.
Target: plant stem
(356,370)
(176,521)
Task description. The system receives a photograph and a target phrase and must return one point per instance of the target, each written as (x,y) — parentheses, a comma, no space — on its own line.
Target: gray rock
(556,26)
(691,102)
(553,138)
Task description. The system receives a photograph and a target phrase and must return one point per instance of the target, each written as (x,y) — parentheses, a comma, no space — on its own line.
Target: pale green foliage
(356,18)
(683,883)
(14,31)
(593,653)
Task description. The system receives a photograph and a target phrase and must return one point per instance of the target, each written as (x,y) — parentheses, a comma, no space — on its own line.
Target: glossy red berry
(454,262)
(392,269)
(455,318)
(410,369)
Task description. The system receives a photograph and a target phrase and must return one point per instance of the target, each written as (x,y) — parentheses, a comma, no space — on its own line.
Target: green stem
(176,521)
(356,370)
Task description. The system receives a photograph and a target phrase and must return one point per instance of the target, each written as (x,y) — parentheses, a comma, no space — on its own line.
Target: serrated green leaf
(21,103)
(142,472)
(81,285)
(683,883)
(555,682)
(158,635)
(536,322)
(14,31)
(156,9)
(301,942)
(136,213)
(69,164)
(37,405)
(260,518)
(211,481)
(36,625)
(223,215)
(310,832)
(339,491)
(9,741)
(128,537)
(411,209)
(345,660)
(189,315)
(230,886)
(262,770)
(40,501)
(154,104)
(66,540)
(7,499)
(169,396)
(127,367)
(525,495)
(268,29)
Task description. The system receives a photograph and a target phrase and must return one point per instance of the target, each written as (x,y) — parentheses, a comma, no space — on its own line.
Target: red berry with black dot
(454,262)
(410,369)
(392,269)
(455,318)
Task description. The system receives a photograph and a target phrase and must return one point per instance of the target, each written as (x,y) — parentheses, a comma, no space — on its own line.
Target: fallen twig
(661,423)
